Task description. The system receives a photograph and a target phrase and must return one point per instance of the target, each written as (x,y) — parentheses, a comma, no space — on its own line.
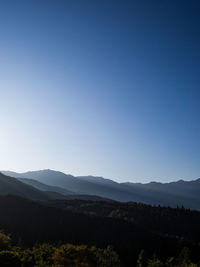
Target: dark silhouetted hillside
(33,222)
(12,186)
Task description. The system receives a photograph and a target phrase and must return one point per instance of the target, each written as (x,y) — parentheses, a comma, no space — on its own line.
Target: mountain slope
(186,193)
(33,223)
(77,184)
(55,191)
(12,186)
(45,187)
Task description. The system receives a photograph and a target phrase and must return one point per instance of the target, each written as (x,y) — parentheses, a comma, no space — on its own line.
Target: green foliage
(39,256)
(184,257)
(74,256)
(142,259)
(170,262)
(182,260)
(107,257)
(83,256)
(128,227)
(48,255)
(27,258)
(4,240)
(9,259)
(155,262)
(43,254)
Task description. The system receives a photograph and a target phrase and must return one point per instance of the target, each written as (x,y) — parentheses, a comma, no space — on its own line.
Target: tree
(142,259)
(74,256)
(27,258)
(83,256)
(170,262)
(9,259)
(40,255)
(4,240)
(184,257)
(107,257)
(155,262)
(43,254)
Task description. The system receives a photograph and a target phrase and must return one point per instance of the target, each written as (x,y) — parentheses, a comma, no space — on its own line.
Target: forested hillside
(171,221)
(10,185)
(103,224)
(171,194)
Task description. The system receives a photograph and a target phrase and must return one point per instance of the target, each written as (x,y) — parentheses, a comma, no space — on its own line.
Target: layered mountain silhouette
(45,187)
(35,190)
(12,186)
(186,193)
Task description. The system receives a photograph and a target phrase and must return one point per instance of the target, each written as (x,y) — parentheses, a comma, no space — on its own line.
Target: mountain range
(12,186)
(49,184)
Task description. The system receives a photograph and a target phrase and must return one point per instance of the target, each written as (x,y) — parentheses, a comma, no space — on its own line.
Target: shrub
(82,256)
(9,259)
(4,240)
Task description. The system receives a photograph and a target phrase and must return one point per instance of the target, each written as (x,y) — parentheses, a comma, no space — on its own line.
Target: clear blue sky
(108,88)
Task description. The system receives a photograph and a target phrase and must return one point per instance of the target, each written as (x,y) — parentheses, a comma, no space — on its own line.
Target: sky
(106,88)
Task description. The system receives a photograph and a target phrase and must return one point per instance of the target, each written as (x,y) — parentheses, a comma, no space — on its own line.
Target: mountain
(78,185)
(45,187)
(12,186)
(186,193)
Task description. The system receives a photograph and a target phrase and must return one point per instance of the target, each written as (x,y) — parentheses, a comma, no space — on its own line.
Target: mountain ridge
(181,193)
(12,186)
(32,173)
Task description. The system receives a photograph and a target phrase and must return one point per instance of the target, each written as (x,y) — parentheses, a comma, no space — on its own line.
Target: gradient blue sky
(108,88)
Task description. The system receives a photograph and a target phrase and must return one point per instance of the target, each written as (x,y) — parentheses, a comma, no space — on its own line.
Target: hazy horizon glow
(105,88)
